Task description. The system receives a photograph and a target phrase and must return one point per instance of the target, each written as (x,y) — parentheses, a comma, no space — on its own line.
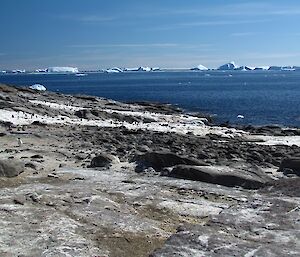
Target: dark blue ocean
(262,97)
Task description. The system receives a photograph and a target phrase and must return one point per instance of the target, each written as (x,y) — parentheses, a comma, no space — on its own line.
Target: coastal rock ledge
(111,179)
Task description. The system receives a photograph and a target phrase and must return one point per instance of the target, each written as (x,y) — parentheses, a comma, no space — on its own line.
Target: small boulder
(292,163)
(10,168)
(104,160)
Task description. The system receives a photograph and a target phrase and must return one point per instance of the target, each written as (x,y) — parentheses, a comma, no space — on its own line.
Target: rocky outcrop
(221,175)
(160,160)
(104,160)
(290,165)
(267,227)
(10,168)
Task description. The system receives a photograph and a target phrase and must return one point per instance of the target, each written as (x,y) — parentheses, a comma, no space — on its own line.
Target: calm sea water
(261,97)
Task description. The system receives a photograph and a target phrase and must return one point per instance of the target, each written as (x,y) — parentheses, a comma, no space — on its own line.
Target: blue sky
(94,34)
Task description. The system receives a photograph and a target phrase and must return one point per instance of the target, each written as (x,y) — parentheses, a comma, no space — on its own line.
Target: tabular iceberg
(114,70)
(62,69)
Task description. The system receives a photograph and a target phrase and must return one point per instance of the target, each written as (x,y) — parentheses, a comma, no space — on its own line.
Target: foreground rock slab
(262,227)
(221,175)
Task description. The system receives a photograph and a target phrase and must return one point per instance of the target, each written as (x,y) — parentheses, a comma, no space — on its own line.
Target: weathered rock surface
(160,160)
(292,163)
(262,227)
(60,208)
(103,160)
(221,175)
(10,168)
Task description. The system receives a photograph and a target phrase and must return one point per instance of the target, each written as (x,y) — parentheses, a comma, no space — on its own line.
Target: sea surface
(262,97)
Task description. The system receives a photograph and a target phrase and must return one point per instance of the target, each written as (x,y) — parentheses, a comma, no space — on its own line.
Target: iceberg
(144,69)
(38,87)
(245,68)
(200,67)
(228,66)
(18,71)
(155,69)
(288,68)
(62,70)
(114,70)
(283,68)
(131,69)
(41,70)
(262,68)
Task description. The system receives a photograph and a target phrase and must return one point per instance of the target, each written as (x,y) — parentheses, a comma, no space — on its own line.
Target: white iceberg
(262,68)
(18,71)
(228,66)
(38,87)
(200,67)
(144,68)
(114,70)
(41,70)
(131,69)
(62,70)
(155,69)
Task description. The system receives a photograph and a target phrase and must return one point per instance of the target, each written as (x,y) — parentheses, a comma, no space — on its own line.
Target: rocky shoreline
(88,176)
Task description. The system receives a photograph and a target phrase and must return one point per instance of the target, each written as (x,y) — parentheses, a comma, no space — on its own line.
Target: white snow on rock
(62,70)
(181,124)
(38,87)
(56,106)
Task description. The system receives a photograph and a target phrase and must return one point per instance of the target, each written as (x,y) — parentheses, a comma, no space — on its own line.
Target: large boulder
(160,160)
(11,168)
(104,160)
(222,175)
(84,114)
(291,164)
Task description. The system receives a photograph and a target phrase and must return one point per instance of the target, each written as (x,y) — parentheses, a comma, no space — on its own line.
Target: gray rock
(222,175)
(162,159)
(37,156)
(292,163)
(257,228)
(104,160)
(84,114)
(10,168)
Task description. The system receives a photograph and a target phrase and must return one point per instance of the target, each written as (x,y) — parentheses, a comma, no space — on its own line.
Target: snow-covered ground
(176,123)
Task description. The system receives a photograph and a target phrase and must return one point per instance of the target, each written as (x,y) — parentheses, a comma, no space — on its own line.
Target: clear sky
(94,34)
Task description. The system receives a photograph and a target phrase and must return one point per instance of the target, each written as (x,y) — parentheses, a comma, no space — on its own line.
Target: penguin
(20,143)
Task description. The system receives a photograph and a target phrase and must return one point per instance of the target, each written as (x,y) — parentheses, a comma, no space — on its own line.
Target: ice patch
(38,87)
